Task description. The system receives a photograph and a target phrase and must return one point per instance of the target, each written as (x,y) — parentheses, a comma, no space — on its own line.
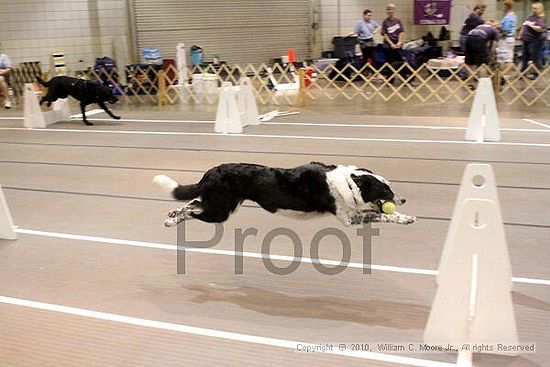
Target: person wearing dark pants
(532,35)
(479,42)
(473,20)
(394,37)
(365,30)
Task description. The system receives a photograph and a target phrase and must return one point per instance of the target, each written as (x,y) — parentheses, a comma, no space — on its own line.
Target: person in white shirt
(5,71)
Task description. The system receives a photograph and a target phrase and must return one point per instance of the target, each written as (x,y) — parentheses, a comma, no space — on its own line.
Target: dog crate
(344,46)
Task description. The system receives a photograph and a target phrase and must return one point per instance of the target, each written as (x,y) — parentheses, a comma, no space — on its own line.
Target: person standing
(508,24)
(473,20)
(532,35)
(394,37)
(365,30)
(5,71)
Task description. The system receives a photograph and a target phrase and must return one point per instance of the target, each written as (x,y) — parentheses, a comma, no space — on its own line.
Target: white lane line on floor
(269,136)
(88,113)
(213,333)
(537,123)
(255,255)
(379,126)
(382,126)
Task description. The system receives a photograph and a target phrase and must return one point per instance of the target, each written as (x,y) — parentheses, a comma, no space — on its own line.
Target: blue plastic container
(196,55)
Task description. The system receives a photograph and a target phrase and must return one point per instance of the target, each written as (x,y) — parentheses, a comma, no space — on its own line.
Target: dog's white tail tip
(165,182)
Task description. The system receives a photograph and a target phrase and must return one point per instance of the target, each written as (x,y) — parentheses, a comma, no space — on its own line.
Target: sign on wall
(432,11)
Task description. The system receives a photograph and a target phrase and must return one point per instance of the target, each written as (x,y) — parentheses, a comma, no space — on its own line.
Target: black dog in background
(85,91)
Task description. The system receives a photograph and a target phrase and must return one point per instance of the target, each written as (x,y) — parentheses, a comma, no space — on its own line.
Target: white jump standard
(483,123)
(236,108)
(6,223)
(473,303)
(35,117)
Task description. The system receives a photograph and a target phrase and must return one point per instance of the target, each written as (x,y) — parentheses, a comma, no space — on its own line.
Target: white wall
(350,12)
(30,30)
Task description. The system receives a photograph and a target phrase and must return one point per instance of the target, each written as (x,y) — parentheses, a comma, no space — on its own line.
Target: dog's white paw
(171,222)
(397,218)
(405,219)
(174,213)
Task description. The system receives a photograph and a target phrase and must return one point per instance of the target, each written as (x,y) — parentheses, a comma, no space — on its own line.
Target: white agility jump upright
(483,123)
(6,223)
(35,117)
(181,64)
(473,303)
(236,108)
(478,182)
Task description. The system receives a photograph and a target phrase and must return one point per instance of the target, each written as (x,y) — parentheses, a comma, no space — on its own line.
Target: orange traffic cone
(291,56)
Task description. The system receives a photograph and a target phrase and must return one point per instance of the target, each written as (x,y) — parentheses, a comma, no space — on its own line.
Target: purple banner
(432,12)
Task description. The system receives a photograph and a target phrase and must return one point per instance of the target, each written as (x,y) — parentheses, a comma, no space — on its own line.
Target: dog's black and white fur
(85,91)
(354,195)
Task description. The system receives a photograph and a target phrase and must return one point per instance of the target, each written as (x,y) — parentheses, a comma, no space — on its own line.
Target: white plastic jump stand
(483,123)
(478,182)
(236,108)
(473,303)
(181,64)
(35,118)
(247,103)
(6,223)
(228,118)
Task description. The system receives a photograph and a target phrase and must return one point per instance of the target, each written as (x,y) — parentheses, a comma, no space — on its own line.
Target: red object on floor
(291,56)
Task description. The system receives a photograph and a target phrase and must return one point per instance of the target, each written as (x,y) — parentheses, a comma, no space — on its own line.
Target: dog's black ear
(371,188)
(361,181)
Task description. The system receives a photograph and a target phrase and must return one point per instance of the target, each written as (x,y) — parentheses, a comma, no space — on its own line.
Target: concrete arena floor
(71,179)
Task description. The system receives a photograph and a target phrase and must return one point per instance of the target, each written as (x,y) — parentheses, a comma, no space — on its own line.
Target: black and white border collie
(354,195)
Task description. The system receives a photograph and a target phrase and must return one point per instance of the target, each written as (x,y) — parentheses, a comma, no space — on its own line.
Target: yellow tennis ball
(388,207)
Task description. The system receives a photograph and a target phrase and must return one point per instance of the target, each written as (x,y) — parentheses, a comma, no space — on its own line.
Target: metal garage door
(245,31)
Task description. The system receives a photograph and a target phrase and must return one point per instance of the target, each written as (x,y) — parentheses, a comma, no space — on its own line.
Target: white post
(473,303)
(483,123)
(33,113)
(181,64)
(478,181)
(249,109)
(6,222)
(228,119)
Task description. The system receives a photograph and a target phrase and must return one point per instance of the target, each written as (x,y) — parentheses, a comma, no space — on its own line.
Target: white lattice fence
(152,85)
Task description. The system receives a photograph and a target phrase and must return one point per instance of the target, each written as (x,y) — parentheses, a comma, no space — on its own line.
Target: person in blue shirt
(508,25)
(365,30)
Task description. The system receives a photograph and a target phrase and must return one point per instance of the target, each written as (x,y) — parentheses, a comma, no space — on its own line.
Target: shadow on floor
(372,312)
